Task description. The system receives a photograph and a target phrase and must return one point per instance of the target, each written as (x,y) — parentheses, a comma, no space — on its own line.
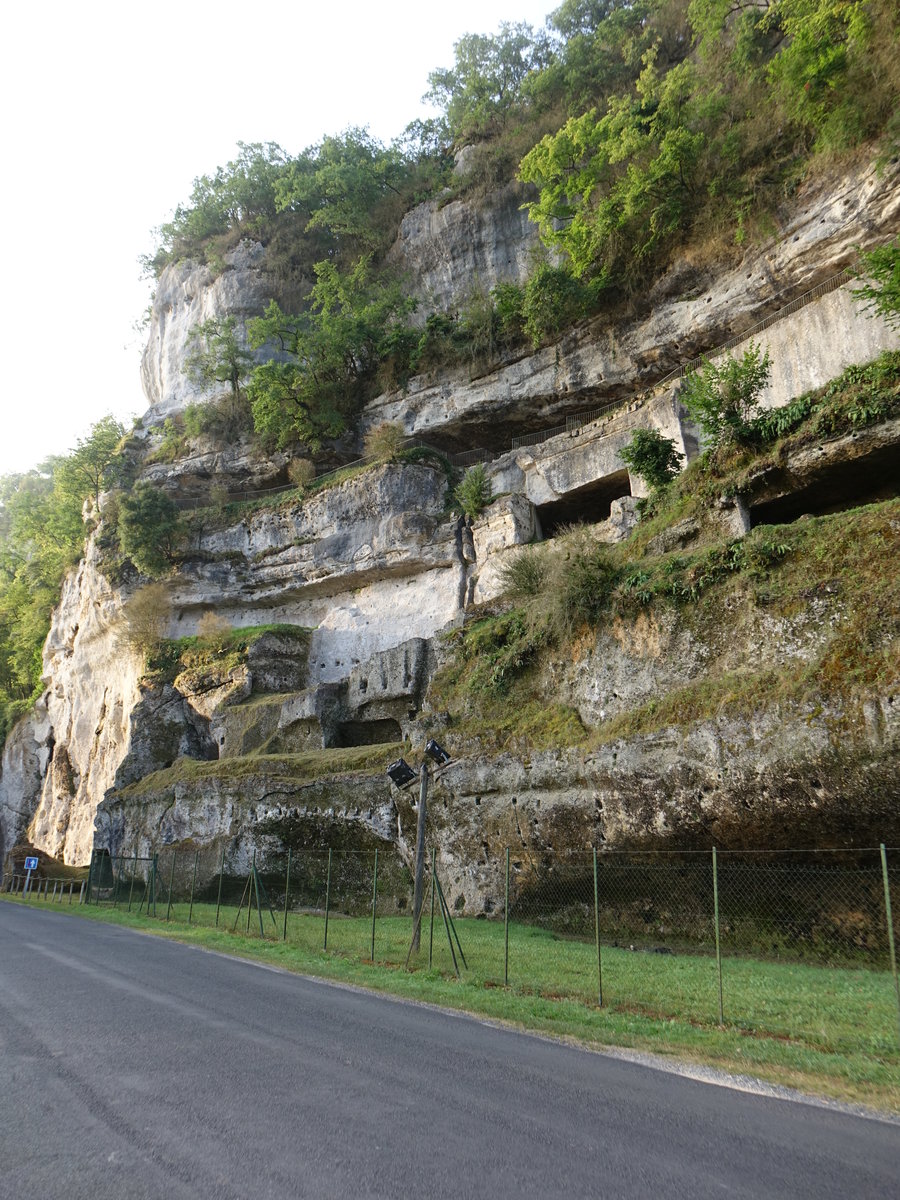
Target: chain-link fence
(791,944)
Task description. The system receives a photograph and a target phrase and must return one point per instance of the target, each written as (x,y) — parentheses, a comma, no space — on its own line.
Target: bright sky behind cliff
(111,110)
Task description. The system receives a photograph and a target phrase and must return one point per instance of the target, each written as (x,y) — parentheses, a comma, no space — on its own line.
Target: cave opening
(850,484)
(586,505)
(368,733)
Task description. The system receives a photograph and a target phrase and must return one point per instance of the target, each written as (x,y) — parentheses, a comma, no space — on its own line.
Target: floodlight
(436,753)
(401,773)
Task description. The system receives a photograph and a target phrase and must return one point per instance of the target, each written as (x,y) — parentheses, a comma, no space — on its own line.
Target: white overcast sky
(109,112)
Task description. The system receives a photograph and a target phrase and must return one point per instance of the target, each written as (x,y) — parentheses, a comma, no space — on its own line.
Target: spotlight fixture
(436,753)
(401,773)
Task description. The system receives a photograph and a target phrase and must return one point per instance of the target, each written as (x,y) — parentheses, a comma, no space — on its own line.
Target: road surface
(131,1066)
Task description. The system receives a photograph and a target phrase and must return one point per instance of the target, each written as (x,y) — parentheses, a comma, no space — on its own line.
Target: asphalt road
(136,1067)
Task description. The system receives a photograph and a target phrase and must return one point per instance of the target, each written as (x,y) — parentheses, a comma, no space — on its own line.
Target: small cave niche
(368,733)
(846,485)
(587,505)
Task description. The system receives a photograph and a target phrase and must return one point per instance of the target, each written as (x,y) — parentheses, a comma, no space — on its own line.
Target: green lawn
(825,1029)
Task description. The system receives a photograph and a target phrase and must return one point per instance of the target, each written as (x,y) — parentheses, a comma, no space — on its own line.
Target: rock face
(601,361)
(81,729)
(188,294)
(379,566)
(450,250)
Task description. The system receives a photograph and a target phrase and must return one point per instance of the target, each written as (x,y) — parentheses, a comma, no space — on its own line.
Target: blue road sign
(31,864)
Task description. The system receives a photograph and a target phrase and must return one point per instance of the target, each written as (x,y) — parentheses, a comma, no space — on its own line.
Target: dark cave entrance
(368,733)
(586,505)
(845,485)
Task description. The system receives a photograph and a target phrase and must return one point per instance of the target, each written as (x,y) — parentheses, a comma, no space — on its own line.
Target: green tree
(881,289)
(239,196)
(652,457)
(351,189)
(150,529)
(723,397)
(217,356)
(473,494)
(328,356)
(615,189)
(84,470)
(485,82)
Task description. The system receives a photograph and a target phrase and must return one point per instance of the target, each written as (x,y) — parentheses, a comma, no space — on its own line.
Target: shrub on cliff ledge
(384,443)
(474,492)
(723,397)
(652,457)
(150,529)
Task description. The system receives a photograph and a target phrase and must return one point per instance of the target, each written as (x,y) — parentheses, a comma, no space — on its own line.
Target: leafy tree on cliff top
(485,82)
(83,472)
(330,354)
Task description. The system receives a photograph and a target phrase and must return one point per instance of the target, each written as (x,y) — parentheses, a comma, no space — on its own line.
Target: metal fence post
(171,884)
(81,893)
(193,885)
(327,899)
(90,877)
(374,901)
(718,947)
(597,935)
(133,873)
(155,877)
(431,931)
(506,926)
(890,927)
(287,885)
(219,897)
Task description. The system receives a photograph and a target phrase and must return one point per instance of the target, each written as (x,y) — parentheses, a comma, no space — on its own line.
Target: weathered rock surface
(450,250)
(92,679)
(26,757)
(602,361)
(188,294)
(378,566)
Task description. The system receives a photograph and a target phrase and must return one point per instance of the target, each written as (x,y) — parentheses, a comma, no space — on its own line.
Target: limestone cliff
(378,565)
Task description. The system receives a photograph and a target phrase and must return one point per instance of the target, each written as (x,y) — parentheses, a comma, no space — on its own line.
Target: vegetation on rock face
(561,593)
(880,290)
(474,491)
(217,647)
(42,531)
(641,127)
(723,397)
(652,457)
(149,529)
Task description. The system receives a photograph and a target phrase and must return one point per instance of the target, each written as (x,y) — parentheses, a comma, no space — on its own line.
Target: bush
(146,619)
(474,492)
(301,472)
(150,529)
(881,290)
(213,631)
(553,300)
(723,398)
(509,303)
(524,573)
(583,582)
(384,443)
(652,457)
